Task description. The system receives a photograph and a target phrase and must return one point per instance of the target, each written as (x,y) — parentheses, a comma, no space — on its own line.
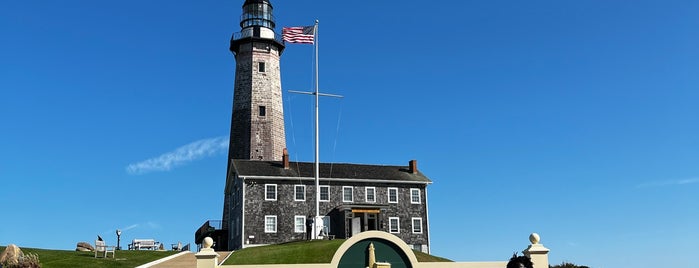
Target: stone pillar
(537,252)
(207,257)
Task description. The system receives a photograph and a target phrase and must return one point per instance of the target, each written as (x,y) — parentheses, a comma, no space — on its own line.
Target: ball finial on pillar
(207,257)
(534,238)
(208,242)
(537,252)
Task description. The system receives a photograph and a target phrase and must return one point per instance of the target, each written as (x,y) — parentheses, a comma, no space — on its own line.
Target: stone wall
(402,248)
(254,135)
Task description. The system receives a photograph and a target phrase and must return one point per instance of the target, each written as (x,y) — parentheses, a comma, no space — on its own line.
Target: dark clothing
(309,228)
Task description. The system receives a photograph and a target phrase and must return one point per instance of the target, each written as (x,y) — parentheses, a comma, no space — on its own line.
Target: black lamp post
(118,233)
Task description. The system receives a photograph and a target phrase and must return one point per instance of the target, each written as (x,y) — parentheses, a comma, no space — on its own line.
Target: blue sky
(574,119)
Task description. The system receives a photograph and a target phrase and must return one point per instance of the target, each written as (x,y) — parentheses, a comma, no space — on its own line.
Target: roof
(327,170)
(256,2)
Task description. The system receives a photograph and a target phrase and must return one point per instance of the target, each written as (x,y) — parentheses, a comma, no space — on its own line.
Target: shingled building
(271,201)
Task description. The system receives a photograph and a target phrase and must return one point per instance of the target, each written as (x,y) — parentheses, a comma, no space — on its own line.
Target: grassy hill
(71,259)
(318,251)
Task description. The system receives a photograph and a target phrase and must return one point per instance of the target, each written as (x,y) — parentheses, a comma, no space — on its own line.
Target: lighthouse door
(371,222)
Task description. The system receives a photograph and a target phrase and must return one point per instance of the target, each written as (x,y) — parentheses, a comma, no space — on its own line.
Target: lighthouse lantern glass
(257,14)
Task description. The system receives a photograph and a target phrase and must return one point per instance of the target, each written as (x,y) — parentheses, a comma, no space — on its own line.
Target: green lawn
(319,251)
(424,257)
(70,259)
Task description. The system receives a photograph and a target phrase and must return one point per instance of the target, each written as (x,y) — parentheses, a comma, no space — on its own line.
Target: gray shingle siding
(234,200)
(246,205)
(285,208)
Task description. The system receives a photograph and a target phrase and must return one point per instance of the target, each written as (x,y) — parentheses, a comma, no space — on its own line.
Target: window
(261,66)
(270,192)
(417,225)
(299,193)
(370,194)
(392,195)
(299,224)
(324,193)
(417,247)
(347,194)
(270,224)
(393,225)
(414,196)
(262,110)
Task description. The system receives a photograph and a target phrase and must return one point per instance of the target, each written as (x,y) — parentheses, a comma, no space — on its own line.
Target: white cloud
(148,225)
(153,225)
(688,181)
(180,156)
(668,183)
(132,226)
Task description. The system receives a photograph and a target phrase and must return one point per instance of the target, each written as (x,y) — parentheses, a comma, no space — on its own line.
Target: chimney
(413,166)
(285,158)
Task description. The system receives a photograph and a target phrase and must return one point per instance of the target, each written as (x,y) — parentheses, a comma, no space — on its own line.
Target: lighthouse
(269,199)
(257,123)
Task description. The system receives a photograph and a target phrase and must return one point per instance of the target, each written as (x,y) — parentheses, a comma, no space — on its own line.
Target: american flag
(302,34)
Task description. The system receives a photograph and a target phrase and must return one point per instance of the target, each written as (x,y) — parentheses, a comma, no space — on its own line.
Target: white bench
(101,249)
(138,244)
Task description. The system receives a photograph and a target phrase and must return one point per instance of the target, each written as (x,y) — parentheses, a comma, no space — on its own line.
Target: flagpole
(318,220)
(317,156)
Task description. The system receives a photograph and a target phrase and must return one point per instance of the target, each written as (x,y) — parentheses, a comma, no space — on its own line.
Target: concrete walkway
(187,260)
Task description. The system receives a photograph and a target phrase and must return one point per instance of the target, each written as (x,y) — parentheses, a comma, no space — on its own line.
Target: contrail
(669,183)
(130,227)
(180,156)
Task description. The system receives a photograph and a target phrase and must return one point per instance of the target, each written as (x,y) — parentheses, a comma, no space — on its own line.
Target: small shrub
(567,265)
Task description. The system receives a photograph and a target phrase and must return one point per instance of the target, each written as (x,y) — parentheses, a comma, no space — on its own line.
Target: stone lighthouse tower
(257,125)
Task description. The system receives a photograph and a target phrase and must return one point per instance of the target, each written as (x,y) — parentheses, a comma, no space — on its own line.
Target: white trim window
(270,223)
(324,193)
(299,192)
(392,195)
(370,194)
(414,196)
(299,224)
(271,192)
(417,247)
(417,226)
(393,225)
(347,194)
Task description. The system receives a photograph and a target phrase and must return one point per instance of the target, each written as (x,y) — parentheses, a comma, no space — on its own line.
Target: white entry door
(356,225)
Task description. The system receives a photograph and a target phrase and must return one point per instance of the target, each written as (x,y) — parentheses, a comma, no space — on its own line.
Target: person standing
(309,227)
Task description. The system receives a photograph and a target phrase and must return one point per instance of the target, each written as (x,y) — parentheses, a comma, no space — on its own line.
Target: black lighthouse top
(257,24)
(257,13)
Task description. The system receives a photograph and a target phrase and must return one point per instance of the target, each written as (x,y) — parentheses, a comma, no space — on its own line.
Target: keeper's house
(268,202)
